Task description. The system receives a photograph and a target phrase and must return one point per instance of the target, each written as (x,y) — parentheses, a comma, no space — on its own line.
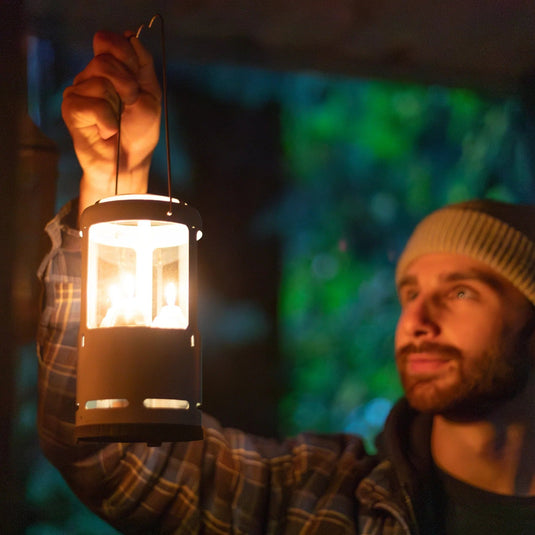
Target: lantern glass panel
(137,274)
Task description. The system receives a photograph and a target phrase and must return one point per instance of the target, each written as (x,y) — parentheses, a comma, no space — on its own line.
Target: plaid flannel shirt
(230,482)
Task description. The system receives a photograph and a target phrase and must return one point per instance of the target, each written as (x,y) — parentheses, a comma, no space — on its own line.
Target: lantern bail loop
(166,113)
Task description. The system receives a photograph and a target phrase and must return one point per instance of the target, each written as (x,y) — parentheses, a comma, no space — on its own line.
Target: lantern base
(152,434)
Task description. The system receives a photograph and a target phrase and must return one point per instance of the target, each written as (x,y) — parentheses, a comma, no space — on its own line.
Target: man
(457,454)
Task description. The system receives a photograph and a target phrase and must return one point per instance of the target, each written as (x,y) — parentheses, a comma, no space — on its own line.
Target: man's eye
(461,293)
(409,295)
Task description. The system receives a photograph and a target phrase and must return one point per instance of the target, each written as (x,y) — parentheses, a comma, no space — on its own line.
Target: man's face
(462,336)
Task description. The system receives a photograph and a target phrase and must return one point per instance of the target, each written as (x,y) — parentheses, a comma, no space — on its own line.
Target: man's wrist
(134,181)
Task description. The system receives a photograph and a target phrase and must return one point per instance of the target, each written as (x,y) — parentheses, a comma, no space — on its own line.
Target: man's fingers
(80,111)
(146,76)
(119,46)
(108,67)
(135,58)
(96,88)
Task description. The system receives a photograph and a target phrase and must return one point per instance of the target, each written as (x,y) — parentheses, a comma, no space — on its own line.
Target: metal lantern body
(139,365)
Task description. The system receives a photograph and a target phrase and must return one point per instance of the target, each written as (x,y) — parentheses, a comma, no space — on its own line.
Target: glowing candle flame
(170,315)
(124,308)
(170,294)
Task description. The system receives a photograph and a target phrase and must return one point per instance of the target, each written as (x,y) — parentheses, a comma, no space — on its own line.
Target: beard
(468,388)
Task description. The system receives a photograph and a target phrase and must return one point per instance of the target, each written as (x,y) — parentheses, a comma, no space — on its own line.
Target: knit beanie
(499,234)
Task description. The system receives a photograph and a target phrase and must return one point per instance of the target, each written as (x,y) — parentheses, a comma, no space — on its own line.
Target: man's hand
(119,77)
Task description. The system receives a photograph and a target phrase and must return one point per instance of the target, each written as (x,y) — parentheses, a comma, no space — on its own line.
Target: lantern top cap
(139,197)
(135,207)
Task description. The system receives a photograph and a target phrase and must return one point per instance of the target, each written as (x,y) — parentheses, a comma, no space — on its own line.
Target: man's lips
(427,358)
(425,363)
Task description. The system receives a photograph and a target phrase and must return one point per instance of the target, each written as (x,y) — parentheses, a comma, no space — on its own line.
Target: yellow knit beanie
(499,234)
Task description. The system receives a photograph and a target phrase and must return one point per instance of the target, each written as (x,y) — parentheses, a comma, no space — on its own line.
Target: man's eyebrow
(465,275)
(407,280)
(475,274)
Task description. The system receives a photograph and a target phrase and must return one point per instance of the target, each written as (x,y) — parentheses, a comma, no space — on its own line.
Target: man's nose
(420,318)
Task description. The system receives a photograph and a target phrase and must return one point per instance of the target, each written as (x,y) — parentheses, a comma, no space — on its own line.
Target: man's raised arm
(120,79)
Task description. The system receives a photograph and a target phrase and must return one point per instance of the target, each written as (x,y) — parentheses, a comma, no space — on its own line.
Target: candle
(170,315)
(124,307)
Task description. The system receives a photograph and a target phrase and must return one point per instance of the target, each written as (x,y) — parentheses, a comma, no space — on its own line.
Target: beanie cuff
(479,236)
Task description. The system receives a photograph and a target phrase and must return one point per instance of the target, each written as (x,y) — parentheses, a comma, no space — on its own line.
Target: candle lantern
(139,365)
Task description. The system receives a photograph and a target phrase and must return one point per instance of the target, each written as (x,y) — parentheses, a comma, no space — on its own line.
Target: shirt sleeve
(230,482)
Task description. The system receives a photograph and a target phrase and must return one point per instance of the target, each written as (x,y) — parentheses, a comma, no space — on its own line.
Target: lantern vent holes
(148,403)
(106,404)
(157,403)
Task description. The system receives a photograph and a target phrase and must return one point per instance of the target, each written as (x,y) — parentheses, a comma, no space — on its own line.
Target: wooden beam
(487,45)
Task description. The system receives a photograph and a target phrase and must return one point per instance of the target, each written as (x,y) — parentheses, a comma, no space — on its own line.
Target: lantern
(139,365)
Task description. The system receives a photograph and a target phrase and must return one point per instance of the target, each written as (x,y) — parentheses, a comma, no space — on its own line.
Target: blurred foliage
(365,161)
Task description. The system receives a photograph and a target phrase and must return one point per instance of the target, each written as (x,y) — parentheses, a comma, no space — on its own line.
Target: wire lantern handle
(118,152)
(166,113)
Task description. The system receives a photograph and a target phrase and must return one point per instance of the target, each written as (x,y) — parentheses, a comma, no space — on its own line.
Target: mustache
(446,351)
